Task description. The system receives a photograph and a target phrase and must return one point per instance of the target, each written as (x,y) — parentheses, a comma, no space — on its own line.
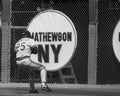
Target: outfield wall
(78,13)
(106,68)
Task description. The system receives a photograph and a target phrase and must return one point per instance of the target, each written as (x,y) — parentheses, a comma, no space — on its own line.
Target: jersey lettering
(21,46)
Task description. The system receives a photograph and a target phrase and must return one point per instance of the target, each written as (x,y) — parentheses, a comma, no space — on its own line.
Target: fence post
(92,49)
(5,51)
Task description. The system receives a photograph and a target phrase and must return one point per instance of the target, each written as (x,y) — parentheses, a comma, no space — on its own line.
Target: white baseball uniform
(23,53)
(22,47)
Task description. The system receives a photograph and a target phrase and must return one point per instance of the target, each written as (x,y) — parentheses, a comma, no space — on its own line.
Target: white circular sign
(56,37)
(116,41)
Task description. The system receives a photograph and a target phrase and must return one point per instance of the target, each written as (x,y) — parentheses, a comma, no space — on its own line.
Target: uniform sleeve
(32,43)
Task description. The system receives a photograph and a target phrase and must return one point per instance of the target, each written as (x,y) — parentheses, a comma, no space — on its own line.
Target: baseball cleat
(46,88)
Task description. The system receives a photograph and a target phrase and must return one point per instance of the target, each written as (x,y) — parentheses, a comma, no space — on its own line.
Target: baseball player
(24,48)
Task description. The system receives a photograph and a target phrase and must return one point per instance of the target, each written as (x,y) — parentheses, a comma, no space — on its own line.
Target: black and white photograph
(59,47)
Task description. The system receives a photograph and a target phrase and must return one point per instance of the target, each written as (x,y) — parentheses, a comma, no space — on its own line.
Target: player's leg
(31,82)
(43,75)
(26,64)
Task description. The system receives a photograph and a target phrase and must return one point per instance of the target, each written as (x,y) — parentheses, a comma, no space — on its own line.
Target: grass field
(21,89)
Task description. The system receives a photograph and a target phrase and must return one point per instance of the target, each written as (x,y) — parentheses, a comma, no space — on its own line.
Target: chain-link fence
(0,35)
(108,71)
(21,14)
(0,48)
(108,15)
